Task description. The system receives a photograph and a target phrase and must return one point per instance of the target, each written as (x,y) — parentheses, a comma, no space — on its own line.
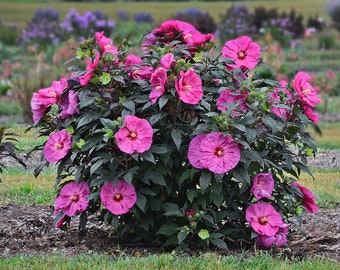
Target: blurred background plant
(201,19)
(81,27)
(43,30)
(333,10)
(326,83)
(235,23)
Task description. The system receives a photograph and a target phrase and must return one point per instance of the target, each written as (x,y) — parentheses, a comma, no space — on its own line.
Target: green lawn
(205,261)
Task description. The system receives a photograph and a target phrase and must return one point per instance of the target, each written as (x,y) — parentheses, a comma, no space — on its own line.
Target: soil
(29,230)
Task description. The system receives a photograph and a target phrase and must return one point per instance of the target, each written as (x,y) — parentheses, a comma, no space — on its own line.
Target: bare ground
(29,230)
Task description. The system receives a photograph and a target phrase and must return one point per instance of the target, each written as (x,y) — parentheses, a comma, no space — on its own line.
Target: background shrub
(333,10)
(82,26)
(43,30)
(235,22)
(198,18)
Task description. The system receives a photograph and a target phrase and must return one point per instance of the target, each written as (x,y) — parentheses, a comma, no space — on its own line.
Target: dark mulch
(29,230)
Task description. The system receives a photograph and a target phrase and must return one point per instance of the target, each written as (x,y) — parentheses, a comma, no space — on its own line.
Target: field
(20,12)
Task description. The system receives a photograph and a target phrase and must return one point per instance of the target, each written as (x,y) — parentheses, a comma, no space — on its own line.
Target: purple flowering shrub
(238,20)
(43,30)
(235,23)
(184,146)
(201,19)
(81,26)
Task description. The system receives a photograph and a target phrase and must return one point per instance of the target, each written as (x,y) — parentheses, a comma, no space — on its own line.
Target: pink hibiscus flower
(243,52)
(72,198)
(105,43)
(167,60)
(172,29)
(68,104)
(232,96)
(195,152)
(278,240)
(38,109)
(189,87)
(263,218)
(275,97)
(263,185)
(57,145)
(306,92)
(118,199)
(135,136)
(215,152)
(91,66)
(308,199)
(158,80)
(311,115)
(138,71)
(47,97)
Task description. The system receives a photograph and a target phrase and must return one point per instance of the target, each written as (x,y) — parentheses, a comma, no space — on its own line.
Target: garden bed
(28,230)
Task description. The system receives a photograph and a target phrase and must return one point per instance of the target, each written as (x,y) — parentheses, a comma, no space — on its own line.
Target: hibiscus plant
(182,146)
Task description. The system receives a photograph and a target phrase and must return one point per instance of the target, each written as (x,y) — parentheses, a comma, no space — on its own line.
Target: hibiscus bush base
(182,147)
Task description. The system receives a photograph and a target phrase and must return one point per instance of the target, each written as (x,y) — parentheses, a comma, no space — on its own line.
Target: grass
(325,186)
(21,11)
(21,187)
(329,138)
(261,261)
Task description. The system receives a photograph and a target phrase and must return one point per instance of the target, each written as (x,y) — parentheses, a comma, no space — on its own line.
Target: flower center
(118,197)
(187,86)
(263,220)
(133,135)
(241,55)
(74,198)
(158,87)
(218,152)
(306,91)
(108,46)
(58,145)
(53,94)
(187,36)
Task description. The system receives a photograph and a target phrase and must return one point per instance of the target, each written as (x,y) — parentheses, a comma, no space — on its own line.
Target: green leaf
(130,105)
(205,180)
(148,156)
(105,78)
(192,193)
(156,178)
(219,243)
(172,209)
(275,126)
(176,136)
(185,175)
(163,100)
(209,218)
(159,149)
(155,118)
(96,165)
(168,229)
(198,57)
(108,123)
(181,236)
(119,78)
(141,202)
(203,234)
(128,177)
